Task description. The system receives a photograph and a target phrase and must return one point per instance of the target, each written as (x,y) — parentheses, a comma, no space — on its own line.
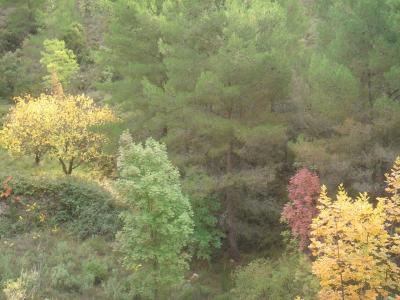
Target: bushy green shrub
(61,278)
(285,278)
(206,237)
(95,269)
(119,287)
(83,208)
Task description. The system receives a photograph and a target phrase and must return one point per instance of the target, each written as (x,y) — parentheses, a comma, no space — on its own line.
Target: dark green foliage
(75,39)
(9,74)
(214,83)
(206,237)
(20,21)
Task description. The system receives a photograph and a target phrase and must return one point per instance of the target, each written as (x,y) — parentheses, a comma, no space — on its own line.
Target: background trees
(214,84)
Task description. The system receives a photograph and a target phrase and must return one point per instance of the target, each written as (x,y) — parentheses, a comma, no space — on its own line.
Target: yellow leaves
(75,138)
(31,207)
(393,178)
(353,247)
(59,125)
(393,188)
(28,125)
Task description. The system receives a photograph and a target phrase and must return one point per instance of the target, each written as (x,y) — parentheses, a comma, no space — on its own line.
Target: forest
(200,149)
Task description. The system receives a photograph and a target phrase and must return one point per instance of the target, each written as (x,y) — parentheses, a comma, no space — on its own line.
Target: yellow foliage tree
(393,202)
(58,124)
(29,126)
(73,141)
(354,249)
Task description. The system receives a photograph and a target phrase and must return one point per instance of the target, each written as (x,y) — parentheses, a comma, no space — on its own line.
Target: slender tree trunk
(369,83)
(67,169)
(230,217)
(70,166)
(155,267)
(37,159)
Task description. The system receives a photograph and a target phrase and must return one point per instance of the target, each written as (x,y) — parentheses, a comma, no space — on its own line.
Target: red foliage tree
(304,188)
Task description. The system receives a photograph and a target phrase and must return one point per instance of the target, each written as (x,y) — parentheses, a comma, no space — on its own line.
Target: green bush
(95,269)
(61,278)
(285,278)
(83,208)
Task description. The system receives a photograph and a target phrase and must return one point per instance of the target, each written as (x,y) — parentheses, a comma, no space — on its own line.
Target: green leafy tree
(158,220)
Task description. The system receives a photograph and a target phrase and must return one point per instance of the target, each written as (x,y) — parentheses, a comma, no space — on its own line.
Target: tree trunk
(67,169)
(369,83)
(230,212)
(37,159)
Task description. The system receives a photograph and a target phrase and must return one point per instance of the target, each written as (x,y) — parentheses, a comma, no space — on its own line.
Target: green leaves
(158,221)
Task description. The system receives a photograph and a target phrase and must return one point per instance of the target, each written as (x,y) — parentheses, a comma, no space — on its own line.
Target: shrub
(21,288)
(96,269)
(283,279)
(62,279)
(81,207)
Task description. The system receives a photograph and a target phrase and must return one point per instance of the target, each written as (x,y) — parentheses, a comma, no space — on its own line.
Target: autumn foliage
(58,125)
(29,126)
(7,189)
(355,245)
(303,189)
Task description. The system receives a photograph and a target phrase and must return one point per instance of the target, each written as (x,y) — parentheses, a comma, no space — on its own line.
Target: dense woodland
(200,149)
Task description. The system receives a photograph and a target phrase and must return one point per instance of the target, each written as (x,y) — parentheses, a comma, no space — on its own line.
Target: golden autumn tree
(29,125)
(354,249)
(58,124)
(393,201)
(73,140)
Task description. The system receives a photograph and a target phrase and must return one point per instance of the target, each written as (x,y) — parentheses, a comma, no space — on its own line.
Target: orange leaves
(7,190)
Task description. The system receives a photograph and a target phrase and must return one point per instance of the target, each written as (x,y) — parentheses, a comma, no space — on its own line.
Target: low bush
(82,208)
(284,278)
